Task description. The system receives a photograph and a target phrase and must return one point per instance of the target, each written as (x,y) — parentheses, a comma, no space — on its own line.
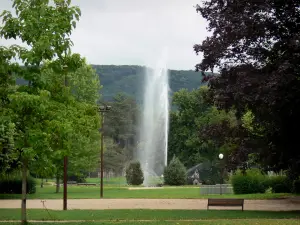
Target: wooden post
(65,181)
(101,174)
(24,193)
(65,157)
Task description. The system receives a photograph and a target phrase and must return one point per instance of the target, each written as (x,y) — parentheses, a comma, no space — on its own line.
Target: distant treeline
(130,79)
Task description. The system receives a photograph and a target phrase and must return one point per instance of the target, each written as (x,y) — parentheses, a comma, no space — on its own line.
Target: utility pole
(102,136)
(65,181)
(102,109)
(65,157)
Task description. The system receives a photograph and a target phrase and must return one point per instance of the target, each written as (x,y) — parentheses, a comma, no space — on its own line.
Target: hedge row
(13,185)
(253,181)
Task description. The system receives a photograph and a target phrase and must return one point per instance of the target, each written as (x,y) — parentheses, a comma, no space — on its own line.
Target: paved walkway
(264,205)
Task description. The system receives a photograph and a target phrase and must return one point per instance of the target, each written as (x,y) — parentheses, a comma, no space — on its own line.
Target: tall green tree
(199,131)
(190,105)
(44,26)
(74,123)
(115,157)
(122,123)
(8,156)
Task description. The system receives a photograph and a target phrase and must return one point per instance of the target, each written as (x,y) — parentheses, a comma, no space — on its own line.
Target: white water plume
(153,150)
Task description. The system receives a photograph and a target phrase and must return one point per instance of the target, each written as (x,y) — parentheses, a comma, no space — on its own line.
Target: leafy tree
(175,173)
(256,46)
(85,85)
(9,157)
(183,127)
(115,157)
(199,131)
(45,27)
(74,123)
(121,123)
(134,174)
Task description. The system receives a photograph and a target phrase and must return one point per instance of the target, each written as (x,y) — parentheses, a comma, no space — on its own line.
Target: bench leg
(242,208)
(207,207)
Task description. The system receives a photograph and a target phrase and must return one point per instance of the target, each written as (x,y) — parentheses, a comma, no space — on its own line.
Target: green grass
(114,181)
(144,214)
(152,217)
(216,222)
(86,192)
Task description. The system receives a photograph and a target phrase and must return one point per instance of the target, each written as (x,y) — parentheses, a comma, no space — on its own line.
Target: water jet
(153,149)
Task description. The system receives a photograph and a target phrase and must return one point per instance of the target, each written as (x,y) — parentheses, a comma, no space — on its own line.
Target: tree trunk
(24,184)
(42,183)
(57,184)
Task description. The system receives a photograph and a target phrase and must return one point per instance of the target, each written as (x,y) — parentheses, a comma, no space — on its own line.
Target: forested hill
(130,79)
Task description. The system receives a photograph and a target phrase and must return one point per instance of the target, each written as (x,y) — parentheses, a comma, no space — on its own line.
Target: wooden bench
(87,184)
(231,202)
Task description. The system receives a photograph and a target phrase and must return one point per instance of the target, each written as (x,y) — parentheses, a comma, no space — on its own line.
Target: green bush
(279,184)
(13,185)
(251,182)
(79,178)
(296,186)
(134,174)
(175,173)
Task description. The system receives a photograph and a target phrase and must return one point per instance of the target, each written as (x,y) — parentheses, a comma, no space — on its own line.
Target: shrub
(79,178)
(134,174)
(279,184)
(252,182)
(13,185)
(296,186)
(175,173)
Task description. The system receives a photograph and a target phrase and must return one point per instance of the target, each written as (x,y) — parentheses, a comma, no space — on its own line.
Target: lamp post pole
(221,173)
(102,110)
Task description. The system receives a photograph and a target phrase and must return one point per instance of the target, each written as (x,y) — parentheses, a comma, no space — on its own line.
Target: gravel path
(264,205)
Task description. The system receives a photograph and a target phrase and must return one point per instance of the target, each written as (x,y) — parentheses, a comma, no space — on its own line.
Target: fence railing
(216,189)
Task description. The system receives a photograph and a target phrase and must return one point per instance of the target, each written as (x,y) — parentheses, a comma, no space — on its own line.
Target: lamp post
(221,174)
(102,109)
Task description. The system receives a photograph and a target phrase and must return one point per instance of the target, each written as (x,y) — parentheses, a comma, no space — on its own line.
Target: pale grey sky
(134,32)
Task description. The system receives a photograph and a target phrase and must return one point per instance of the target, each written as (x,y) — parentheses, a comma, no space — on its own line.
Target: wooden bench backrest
(227,201)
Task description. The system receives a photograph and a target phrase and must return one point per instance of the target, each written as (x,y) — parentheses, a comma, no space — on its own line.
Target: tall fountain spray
(153,150)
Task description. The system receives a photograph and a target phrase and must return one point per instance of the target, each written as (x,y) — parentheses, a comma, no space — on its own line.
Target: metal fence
(216,189)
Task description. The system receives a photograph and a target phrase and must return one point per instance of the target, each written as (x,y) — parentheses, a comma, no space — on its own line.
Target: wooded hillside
(129,80)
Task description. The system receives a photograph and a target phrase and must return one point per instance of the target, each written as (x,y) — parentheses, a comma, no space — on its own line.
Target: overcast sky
(134,32)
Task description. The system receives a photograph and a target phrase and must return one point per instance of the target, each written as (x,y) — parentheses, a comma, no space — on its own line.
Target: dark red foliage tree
(256,46)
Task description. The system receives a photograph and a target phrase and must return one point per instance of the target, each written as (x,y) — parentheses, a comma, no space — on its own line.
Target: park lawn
(92,192)
(212,222)
(114,181)
(143,214)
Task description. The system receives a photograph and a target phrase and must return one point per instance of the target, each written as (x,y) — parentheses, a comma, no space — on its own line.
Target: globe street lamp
(221,156)
(102,109)
(221,173)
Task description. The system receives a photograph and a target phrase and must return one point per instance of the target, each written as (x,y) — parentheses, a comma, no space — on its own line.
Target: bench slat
(225,202)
